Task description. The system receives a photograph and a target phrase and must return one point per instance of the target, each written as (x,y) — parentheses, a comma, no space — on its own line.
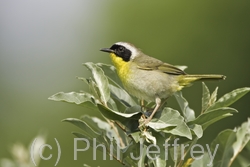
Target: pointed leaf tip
(229,98)
(101,81)
(188,113)
(205,97)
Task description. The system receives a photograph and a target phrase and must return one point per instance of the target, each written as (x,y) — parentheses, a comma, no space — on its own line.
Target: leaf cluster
(124,141)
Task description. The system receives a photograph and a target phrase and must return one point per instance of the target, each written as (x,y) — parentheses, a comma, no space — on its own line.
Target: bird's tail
(185,80)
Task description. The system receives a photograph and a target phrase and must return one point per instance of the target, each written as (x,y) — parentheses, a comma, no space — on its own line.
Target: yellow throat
(122,67)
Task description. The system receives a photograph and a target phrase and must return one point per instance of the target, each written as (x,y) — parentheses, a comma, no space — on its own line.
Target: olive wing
(150,63)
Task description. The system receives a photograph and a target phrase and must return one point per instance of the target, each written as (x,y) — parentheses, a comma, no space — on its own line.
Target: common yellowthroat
(148,78)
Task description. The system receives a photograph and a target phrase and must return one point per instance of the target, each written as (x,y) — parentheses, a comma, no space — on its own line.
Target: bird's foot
(144,122)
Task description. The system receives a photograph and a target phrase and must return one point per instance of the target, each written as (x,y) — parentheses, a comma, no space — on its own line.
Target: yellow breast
(122,67)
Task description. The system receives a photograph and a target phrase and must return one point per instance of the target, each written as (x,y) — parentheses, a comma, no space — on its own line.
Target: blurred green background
(44,43)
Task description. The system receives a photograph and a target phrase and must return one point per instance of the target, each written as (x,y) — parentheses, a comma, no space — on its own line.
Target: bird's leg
(142,105)
(142,108)
(158,104)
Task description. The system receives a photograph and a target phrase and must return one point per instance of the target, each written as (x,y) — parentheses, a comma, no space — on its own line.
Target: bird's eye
(121,49)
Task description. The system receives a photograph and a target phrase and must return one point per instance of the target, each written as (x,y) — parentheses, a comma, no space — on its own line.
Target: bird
(148,78)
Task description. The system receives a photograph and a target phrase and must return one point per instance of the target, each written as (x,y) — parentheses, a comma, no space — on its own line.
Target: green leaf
(212,116)
(84,99)
(133,109)
(101,81)
(110,72)
(91,123)
(161,156)
(136,136)
(127,151)
(106,139)
(112,104)
(231,143)
(243,137)
(205,97)
(188,113)
(160,125)
(169,117)
(225,151)
(94,90)
(87,130)
(115,113)
(197,129)
(128,120)
(229,98)
(205,161)
(213,97)
(141,162)
(243,160)
(104,126)
(72,97)
(175,153)
(122,96)
(159,162)
(94,128)
(149,137)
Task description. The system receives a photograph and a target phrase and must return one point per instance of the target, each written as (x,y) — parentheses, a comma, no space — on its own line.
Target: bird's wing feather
(151,63)
(170,69)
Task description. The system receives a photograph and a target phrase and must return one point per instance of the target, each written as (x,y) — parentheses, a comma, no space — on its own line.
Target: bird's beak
(107,50)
